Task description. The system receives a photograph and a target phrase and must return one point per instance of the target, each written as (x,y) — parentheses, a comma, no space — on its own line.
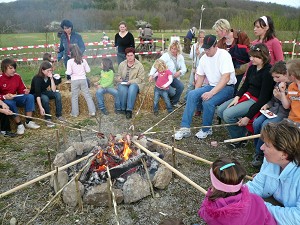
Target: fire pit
(132,172)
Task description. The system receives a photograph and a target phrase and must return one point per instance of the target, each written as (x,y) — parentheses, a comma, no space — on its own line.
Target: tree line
(35,15)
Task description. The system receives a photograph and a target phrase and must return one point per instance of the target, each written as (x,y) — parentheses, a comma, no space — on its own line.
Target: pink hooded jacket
(242,209)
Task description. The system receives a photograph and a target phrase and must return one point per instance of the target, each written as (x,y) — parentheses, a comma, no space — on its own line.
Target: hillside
(34,15)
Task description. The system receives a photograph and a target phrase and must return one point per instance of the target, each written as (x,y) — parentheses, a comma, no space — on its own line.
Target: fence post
(294,45)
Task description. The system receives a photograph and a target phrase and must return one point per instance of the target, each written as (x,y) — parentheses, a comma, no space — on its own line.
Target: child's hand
(276,93)
(151,79)
(282,86)
(265,107)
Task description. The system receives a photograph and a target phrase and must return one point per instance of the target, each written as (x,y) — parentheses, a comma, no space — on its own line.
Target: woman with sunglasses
(256,91)
(265,32)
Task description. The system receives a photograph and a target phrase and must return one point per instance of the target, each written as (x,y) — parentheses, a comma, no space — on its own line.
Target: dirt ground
(25,157)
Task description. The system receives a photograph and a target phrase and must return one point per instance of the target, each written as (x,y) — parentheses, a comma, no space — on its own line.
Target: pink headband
(265,19)
(224,187)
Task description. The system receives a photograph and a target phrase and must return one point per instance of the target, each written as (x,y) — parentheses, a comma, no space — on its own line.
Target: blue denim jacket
(284,187)
(74,39)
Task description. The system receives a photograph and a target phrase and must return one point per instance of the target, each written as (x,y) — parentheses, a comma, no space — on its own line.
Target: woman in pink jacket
(265,32)
(228,201)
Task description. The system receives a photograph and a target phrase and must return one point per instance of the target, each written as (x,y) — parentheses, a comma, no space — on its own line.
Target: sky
(294,3)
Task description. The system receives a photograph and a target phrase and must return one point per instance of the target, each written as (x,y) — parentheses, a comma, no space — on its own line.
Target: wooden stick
(43,176)
(56,178)
(145,132)
(212,126)
(148,177)
(242,138)
(57,139)
(35,118)
(59,191)
(171,168)
(186,154)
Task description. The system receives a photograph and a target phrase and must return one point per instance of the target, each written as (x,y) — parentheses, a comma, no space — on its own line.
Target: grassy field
(29,69)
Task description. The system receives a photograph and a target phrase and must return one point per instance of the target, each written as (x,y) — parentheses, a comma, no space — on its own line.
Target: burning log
(117,171)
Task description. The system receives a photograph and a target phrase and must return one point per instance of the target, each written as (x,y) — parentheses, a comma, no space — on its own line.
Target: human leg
(87,96)
(178,85)
(123,92)
(75,89)
(132,94)
(100,98)
(45,103)
(233,114)
(156,99)
(165,96)
(191,85)
(114,92)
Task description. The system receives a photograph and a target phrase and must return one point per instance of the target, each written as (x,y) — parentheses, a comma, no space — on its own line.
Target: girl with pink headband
(264,30)
(228,201)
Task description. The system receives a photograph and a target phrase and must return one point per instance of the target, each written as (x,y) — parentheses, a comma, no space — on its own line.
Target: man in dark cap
(68,38)
(216,65)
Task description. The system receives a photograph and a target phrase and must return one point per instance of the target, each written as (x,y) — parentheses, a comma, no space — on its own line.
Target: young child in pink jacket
(228,201)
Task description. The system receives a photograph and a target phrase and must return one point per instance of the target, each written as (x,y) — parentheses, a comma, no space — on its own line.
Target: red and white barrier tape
(91,57)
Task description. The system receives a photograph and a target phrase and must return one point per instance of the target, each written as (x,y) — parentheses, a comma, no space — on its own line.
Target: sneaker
(92,114)
(128,114)
(257,161)
(73,115)
(50,124)
(183,132)
(61,119)
(177,105)
(32,125)
(8,134)
(20,129)
(203,134)
(104,111)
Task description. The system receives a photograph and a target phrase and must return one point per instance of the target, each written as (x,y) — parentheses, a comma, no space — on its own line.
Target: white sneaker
(20,129)
(32,125)
(203,134)
(182,132)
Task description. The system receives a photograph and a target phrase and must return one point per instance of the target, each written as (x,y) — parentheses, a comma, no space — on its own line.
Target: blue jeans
(233,114)
(26,101)
(258,124)
(178,85)
(127,95)
(100,97)
(209,106)
(164,94)
(45,98)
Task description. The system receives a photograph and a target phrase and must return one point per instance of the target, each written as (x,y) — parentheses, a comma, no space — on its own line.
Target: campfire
(131,171)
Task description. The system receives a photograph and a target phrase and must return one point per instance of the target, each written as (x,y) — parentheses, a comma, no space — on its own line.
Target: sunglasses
(254,48)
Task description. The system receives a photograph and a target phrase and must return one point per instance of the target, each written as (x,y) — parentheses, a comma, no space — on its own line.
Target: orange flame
(127,151)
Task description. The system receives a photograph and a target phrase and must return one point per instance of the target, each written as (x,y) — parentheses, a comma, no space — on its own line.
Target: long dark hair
(107,64)
(270,34)
(76,54)
(44,66)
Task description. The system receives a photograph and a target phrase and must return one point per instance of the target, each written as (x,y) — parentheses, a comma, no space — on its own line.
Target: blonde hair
(177,45)
(293,68)
(160,65)
(222,24)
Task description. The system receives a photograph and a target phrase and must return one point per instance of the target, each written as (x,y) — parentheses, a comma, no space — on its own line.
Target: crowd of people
(238,79)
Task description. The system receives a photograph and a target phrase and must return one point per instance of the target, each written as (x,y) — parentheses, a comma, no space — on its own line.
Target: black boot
(128,114)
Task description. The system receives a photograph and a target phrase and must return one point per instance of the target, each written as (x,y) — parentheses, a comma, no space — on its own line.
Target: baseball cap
(209,40)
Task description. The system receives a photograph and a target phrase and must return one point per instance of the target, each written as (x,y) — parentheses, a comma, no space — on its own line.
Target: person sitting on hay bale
(106,85)
(176,64)
(216,65)
(39,85)
(130,80)
(15,94)
(5,112)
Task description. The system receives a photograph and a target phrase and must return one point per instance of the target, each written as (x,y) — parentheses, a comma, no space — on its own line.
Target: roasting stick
(171,168)
(242,138)
(212,126)
(35,118)
(186,154)
(147,131)
(59,191)
(43,176)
